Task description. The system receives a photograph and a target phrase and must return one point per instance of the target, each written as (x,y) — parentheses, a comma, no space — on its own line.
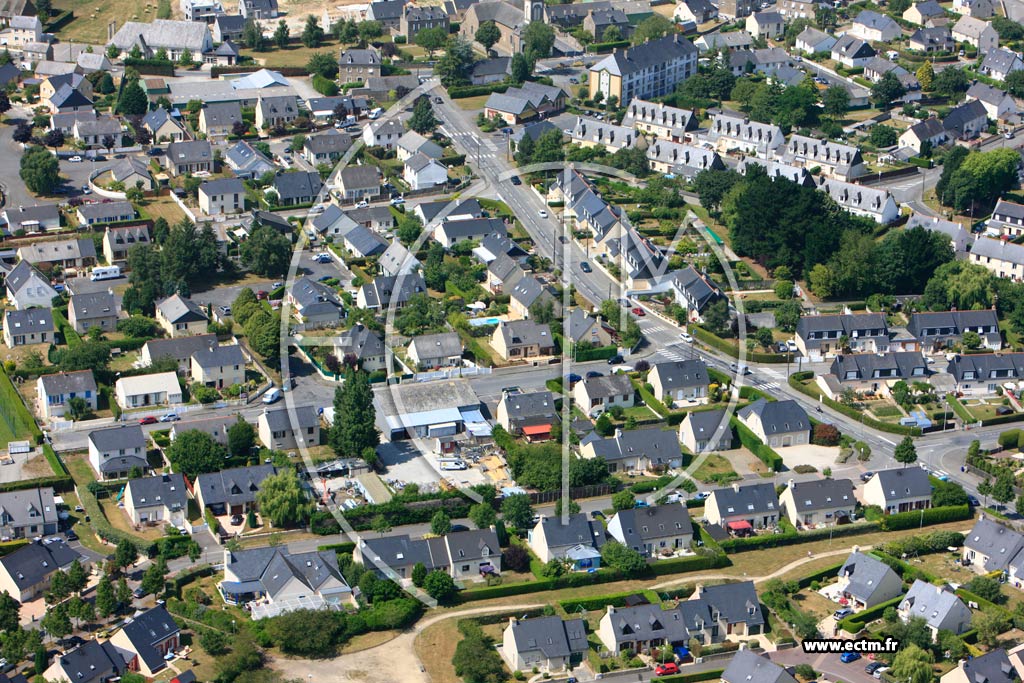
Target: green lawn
(715,468)
(17,423)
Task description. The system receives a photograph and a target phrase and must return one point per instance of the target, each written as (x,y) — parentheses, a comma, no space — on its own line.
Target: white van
(272,396)
(105,273)
(375,113)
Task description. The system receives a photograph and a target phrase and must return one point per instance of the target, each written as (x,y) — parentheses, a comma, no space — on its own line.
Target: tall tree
(453,66)
(836,101)
(312,33)
(432,39)
(520,69)
(354,427)
(106,603)
(654,26)
(282,35)
(905,452)
(241,438)
(926,75)
(252,36)
(39,170)
(194,452)
(267,252)
(487,34)
(133,100)
(440,523)
(538,40)
(282,500)
(423,120)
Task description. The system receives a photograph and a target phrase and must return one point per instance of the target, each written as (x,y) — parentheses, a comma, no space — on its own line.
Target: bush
(855,622)
(1010,438)
(825,435)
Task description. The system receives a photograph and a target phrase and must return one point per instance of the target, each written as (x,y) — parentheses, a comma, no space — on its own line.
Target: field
(17,423)
(90,22)
(295,55)
(163,207)
(472,103)
(715,467)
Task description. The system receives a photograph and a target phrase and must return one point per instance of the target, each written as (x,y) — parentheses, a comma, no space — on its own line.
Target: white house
(143,391)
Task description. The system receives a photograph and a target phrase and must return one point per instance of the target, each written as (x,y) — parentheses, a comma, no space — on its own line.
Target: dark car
(573,378)
(516,180)
(139,593)
(236,519)
(867,475)
(594,373)
(972,501)
(872,667)
(459,527)
(71,535)
(597,514)
(585,267)
(616,360)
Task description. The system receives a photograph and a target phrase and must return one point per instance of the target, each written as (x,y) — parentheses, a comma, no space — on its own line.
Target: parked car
(585,267)
(148,420)
(616,360)
(879,671)
(842,613)
(75,159)
(871,667)
(573,378)
(594,373)
(236,519)
(397,200)
(224,310)
(848,657)
(262,294)
(71,535)
(597,514)
(702,495)
(867,475)
(666,669)
(170,417)
(139,593)
(639,312)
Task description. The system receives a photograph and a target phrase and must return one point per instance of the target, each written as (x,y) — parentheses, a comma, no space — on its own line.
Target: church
(510,16)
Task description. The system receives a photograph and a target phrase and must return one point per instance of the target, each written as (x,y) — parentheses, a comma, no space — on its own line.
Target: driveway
(816,456)
(829,667)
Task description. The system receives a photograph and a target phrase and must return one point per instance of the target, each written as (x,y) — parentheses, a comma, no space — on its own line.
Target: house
(927,40)
(450,232)
(766,25)
(248,162)
(549,644)
(695,291)
(93,309)
(363,346)
(865,581)
(1007,219)
(843,162)
(163,127)
(740,508)
(522,340)
(462,555)
(232,491)
(921,13)
(32,219)
(103,132)
(132,172)
(25,573)
(939,606)
(148,636)
(258,9)
(115,451)
(358,65)
(529,414)
(735,9)
(294,188)
(219,367)
(279,581)
(73,253)
(178,348)
(1002,257)
(357,183)
(90,662)
(900,489)
(390,292)
(636,450)
(991,667)
(188,156)
(992,547)
(436,350)
(493,70)
(326,147)
(222,196)
(598,21)
(28,513)
(595,395)
(333,223)
(283,429)
(732,131)
(812,41)
(659,120)
(684,381)
(362,242)
(876,204)
(876,373)
(100,214)
(818,502)
(421,172)
(1000,62)
(22,30)
(682,159)
(982,9)
(851,51)
(983,374)
(67,99)
(579,541)
(874,27)
(397,260)
(966,121)
(999,105)
(276,111)
(655,531)
(383,133)
(511,20)
(181,317)
(746,665)
(142,391)
(939,330)
(415,18)
(217,427)
(174,37)
(777,423)
(959,237)
(227,27)
(583,329)
(53,392)
(201,10)
(648,70)
(926,134)
(696,11)
(217,119)
(529,292)
(387,13)
(525,102)
(162,499)
(28,288)
(976,32)
(28,326)
(730,41)
(706,430)
(412,143)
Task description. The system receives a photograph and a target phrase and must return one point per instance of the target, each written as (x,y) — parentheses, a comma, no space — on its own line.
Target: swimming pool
(482,322)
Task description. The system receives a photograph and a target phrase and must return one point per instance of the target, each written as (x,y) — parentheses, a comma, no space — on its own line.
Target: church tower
(533,10)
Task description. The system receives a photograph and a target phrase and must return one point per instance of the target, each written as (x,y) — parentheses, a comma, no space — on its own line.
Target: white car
(170,417)
(397,200)
(363,204)
(75,159)
(686,337)
(543,213)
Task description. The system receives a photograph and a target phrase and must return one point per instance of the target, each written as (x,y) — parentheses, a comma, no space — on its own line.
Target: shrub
(825,435)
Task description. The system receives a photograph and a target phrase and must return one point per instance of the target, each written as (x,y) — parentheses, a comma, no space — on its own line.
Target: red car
(148,420)
(666,669)
(639,312)
(262,294)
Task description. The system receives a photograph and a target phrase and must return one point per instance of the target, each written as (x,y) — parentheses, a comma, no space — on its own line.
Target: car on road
(438,100)
(639,312)
(573,378)
(516,180)
(686,337)
(363,204)
(397,201)
(616,360)
(543,213)
(739,368)
(1008,135)
(666,669)
(574,80)
(86,190)
(867,475)
(170,417)
(872,667)
(236,520)
(848,657)
(148,420)
(75,159)
(325,278)
(597,514)
(972,501)
(594,373)
(585,267)
(842,613)
(459,527)
(224,310)
(139,593)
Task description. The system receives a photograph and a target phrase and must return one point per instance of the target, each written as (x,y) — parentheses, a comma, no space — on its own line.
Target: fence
(592,491)
(451,373)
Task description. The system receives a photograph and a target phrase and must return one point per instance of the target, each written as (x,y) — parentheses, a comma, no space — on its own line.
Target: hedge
(463,91)
(826,573)
(855,622)
(681,565)
(764,453)
(983,604)
(709,675)
(180,580)
(713,340)
(738,545)
(602,48)
(151,67)
(601,601)
(649,399)
(340,548)
(58,22)
(16,414)
(913,518)
(797,379)
(60,484)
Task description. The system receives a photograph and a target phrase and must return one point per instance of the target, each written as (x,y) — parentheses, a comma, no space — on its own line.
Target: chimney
(609,609)
(618,433)
(736,486)
(697,591)
(790,483)
(512,621)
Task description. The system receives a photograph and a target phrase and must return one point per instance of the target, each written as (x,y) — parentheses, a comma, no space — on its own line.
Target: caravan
(105,273)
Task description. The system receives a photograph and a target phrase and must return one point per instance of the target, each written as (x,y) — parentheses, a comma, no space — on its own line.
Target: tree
(989,625)
(825,18)
(713,185)
(517,511)
(324,64)
(987,588)
(78,408)
(487,34)
(980,179)
(54,138)
(520,69)
(368,30)
(905,451)
(22,133)
(194,452)
(9,612)
(913,664)
(651,28)
(836,101)
(105,601)
(56,622)
(622,559)
(214,642)
(39,170)
(380,524)
(440,523)
(43,9)
(453,67)
(951,81)
(186,60)
(883,136)
(241,438)
(887,89)
(574,507)
(153,578)
(926,75)
(538,39)
(282,499)
(423,120)
(612,34)
(354,428)
(267,252)
(419,574)
(432,39)
(482,515)
(440,586)
(252,36)
(1002,488)
(282,35)
(717,317)
(125,554)
(516,558)
(312,34)
(133,100)
(623,500)
(77,577)
(1015,83)
(948,493)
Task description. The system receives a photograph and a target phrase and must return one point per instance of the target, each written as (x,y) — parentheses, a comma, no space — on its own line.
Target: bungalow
(282,581)
(178,348)
(741,508)
(655,531)
(812,41)
(188,156)
(900,489)
(777,423)
(217,427)
(326,147)
(29,326)
(147,637)
(865,581)
(132,172)
(55,390)
(706,430)
(162,499)
(493,70)
(181,317)
(25,573)
(436,350)
(142,391)
(93,309)
(548,644)
(522,340)
(595,395)
(222,196)
(939,606)
(73,253)
(818,502)
(532,414)
(231,491)
(32,219)
(998,103)
(636,450)
(578,542)
(992,547)
(219,367)
(315,304)
(420,172)
(115,451)
(530,292)
(218,119)
(940,330)
(684,380)
(874,27)
(28,288)
(109,212)
(462,555)
(976,32)
(283,429)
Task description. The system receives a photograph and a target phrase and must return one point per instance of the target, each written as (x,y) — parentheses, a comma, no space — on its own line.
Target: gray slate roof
(164,489)
(823,494)
(178,309)
(33,563)
(552,636)
(146,630)
(69,382)
(866,574)
(998,543)
(682,374)
(93,305)
(904,482)
(28,320)
(438,345)
(660,446)
(778,417)
(219,356)
(115,438)
(234,486)
(643,525)
(749,667)
(579,530)
(749,499)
